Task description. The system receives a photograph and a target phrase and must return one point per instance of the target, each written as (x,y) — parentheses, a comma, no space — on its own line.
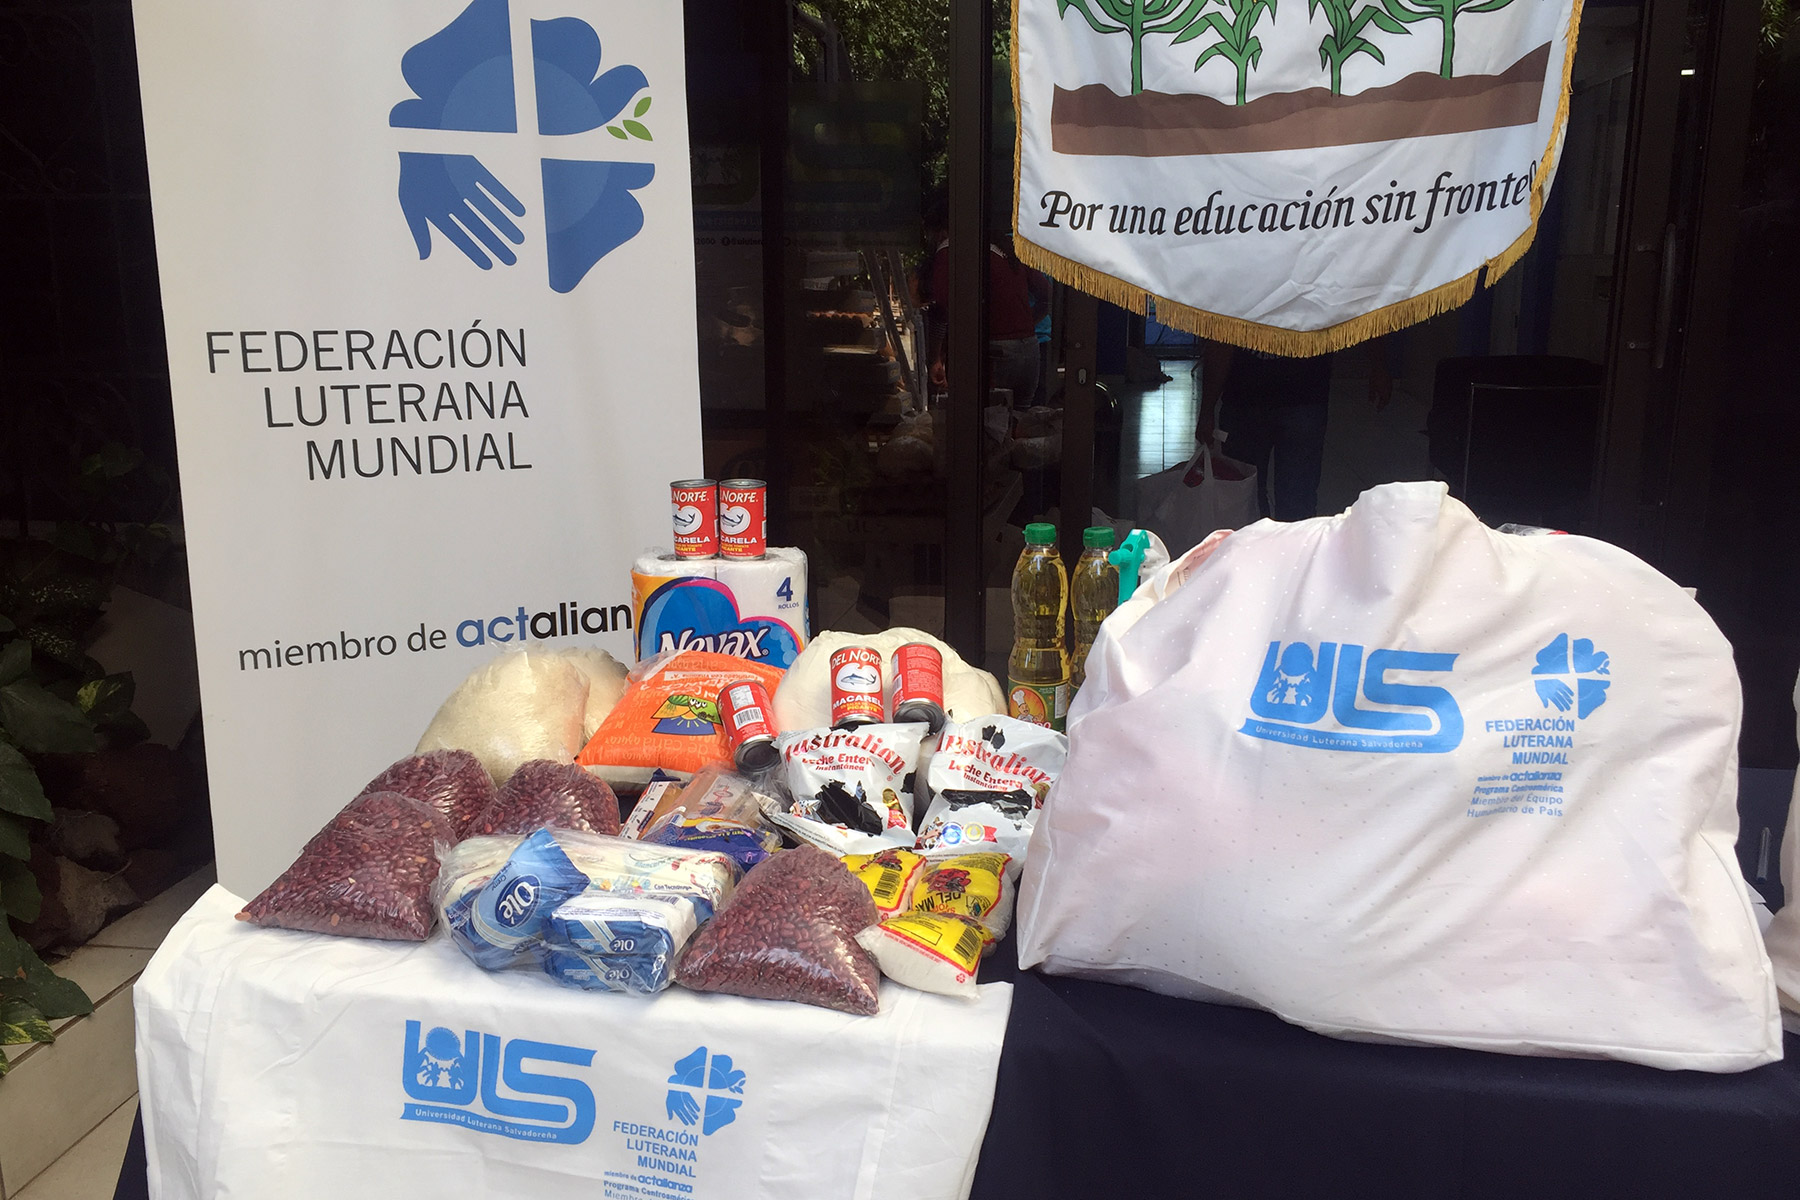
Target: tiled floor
(90,1169)
(66,1108)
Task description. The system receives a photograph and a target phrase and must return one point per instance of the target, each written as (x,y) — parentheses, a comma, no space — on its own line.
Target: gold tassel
(1272,339)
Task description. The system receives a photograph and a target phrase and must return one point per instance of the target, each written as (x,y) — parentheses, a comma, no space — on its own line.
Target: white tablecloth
(276,1064)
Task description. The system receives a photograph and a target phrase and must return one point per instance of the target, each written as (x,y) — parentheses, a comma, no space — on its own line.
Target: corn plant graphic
(1139,18)
(1238,43)
(1445,13)
(1346,39)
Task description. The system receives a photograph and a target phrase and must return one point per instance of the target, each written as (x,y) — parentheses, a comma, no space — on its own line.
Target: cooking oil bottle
(1037,684)
(1096,594)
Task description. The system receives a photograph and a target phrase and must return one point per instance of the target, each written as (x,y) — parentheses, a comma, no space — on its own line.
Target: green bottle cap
(1097,537)
(1040,533)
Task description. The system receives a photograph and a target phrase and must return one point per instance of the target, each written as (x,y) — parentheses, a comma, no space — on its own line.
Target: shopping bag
(1395,775)
(1783,934)
(1207,493)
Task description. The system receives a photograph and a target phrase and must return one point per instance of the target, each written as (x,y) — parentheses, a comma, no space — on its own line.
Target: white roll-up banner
(428,283)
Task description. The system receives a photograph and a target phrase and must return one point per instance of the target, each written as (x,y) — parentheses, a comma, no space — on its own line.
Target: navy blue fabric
(1110,1091)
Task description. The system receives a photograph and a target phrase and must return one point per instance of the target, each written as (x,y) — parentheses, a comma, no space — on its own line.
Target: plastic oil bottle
(1095,589)
(1037,684)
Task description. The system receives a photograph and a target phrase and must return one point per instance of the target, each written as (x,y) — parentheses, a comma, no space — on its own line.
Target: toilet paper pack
(750,608)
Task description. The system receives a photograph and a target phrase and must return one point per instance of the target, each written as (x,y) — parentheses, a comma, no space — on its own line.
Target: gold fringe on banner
(1273,339)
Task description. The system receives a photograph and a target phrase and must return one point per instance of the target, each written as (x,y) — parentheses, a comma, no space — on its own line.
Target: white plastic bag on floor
(1394,775)
(1184,504)
(1783,934)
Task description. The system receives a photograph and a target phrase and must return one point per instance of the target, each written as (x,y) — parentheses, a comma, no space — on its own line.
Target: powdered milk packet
(852,788)
(988,779)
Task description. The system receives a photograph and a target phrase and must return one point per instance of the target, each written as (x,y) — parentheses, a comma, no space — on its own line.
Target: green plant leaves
(57,998)
(20,791)
(15,841)
(20,896)
(20,1022)
(23,976)
(41,723)
(637,130)
(113,460)
(643,106)
(617,132)
(105,698)
(15,660)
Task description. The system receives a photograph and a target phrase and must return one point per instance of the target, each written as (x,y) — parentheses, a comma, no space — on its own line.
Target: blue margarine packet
(618,943)
(636,974)
(510,913)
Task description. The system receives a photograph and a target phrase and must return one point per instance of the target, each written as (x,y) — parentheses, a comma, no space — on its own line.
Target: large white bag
(1394,775)
(1783,934)
(1184,504)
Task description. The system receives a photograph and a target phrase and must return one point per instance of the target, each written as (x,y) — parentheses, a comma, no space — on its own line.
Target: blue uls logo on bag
(481,1081)
(1300,686)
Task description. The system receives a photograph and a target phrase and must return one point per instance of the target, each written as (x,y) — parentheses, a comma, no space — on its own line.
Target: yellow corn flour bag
(976,886)
(890,876)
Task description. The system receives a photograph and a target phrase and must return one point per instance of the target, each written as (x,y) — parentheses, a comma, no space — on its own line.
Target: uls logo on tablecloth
(480,1081)
(462,79)
(1300,684)
(703,1095)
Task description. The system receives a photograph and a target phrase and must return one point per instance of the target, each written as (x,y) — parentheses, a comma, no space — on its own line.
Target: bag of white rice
(525,705)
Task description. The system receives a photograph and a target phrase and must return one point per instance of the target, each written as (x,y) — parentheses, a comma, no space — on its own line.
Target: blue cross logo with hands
(706,1096)
(462,79)
(1572,674)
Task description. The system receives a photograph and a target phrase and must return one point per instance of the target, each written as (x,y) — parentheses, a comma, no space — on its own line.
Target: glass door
(819,136)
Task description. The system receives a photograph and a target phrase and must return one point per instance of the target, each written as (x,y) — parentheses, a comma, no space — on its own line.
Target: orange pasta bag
(669,717)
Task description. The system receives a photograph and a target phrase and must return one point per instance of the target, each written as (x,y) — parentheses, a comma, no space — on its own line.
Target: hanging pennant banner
(1291,178)
(428,285)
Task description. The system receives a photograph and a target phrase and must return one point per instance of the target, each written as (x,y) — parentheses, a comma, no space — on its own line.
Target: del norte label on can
(743,518)
(695,506)
(855,687)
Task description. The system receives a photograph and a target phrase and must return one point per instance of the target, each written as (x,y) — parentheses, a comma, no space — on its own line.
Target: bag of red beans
(368,873)
(452,781)
(548,793)
(789,933)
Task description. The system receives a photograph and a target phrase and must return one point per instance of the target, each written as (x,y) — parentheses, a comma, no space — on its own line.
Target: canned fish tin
(919,685)
(749,719)
(743,518)
(695,503)
(855,687)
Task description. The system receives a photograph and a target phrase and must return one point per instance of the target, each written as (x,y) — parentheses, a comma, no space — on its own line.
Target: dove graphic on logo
(734,519)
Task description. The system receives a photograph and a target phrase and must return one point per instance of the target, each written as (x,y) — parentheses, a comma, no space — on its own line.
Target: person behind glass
(1274,411)
(1017,297)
